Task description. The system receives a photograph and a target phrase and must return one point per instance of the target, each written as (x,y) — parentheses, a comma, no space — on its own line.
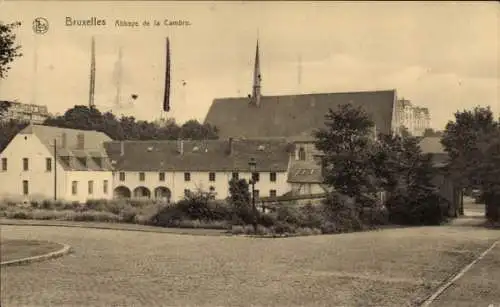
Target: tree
(460,141)
(9,50)
(239,198)
(128,128)
(346,143)
(471,142)
(407,174)
(4,106)
(8,130)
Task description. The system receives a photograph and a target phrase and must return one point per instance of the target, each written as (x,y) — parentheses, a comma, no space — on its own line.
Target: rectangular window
(255,177)
(26,190)
(211,176)
(105,186)
(74,187)
(48,164)
(122,176)
(25,164)
(142,176)
(91,187)
(187,176)
(161,176)
(272,193)
(272,177)
(4,164)
(236,176)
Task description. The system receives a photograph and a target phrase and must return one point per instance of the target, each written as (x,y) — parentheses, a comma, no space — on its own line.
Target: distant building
(78,169)
(171,169)
(89,165)
(415,119)
(295,118)
(31,113)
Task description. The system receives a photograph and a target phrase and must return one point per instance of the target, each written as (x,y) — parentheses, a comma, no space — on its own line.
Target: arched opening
(163,193)
(142,192)
(122,192)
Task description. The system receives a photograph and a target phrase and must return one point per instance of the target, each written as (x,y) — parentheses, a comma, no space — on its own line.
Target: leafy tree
(9,50)
(408,175)
(128,128)
(239,198)
(346,143)
(8,130)
(4,106)
(460,141)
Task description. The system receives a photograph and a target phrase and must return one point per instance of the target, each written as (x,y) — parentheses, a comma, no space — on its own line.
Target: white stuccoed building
(170,169)
(75,169)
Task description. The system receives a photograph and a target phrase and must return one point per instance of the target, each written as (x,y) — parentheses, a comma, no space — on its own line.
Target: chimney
(80,141)
(180,146)
(122,148)
(230,147)
(63,140)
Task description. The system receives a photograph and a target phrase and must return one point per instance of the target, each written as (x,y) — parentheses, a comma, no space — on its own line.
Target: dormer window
(83,161)
(98,161)
(302,154)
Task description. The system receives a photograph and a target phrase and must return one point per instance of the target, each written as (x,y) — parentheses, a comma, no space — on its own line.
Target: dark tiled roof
(93,141)
(294,115)
(211,155)
(305,172)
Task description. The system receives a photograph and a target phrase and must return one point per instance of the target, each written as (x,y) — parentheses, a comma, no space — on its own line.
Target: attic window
(83,161)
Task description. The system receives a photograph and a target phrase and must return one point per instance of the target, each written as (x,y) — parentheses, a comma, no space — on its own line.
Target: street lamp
(252,164)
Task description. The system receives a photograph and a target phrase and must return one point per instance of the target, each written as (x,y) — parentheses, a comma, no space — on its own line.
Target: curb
(59,253)
(456,277)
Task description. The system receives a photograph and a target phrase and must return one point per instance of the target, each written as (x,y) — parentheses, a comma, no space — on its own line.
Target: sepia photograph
(249,153)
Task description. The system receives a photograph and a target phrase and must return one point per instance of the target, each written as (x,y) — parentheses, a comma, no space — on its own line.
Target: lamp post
(252,164)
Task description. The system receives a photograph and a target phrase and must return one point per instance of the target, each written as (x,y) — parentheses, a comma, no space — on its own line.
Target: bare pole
(55,169)
(92,75)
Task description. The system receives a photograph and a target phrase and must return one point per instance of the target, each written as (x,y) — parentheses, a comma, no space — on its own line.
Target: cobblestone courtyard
(128,268)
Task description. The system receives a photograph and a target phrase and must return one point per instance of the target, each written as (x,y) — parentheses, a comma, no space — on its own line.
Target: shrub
(237,229)
(283,227)
(267,219)
(305,231)
(96,216)
(19,214)
(405,209)
(168,216)
(128,216)
(342,213)
(96,205)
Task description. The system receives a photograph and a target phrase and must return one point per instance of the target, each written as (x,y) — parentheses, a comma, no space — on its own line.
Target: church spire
(256,78)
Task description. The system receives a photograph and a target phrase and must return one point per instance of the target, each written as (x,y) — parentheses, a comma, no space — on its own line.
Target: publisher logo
(40,25)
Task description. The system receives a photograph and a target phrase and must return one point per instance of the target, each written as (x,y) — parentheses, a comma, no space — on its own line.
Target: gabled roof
(294,115)
(210,155)
(93,141)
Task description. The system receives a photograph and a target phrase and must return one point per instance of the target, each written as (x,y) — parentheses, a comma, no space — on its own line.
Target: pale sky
(444,56)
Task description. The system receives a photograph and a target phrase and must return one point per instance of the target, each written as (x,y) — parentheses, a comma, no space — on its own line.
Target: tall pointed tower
(256,94)
(92,75)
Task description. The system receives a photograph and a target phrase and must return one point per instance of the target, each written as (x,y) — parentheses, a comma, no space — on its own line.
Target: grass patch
(19,249)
